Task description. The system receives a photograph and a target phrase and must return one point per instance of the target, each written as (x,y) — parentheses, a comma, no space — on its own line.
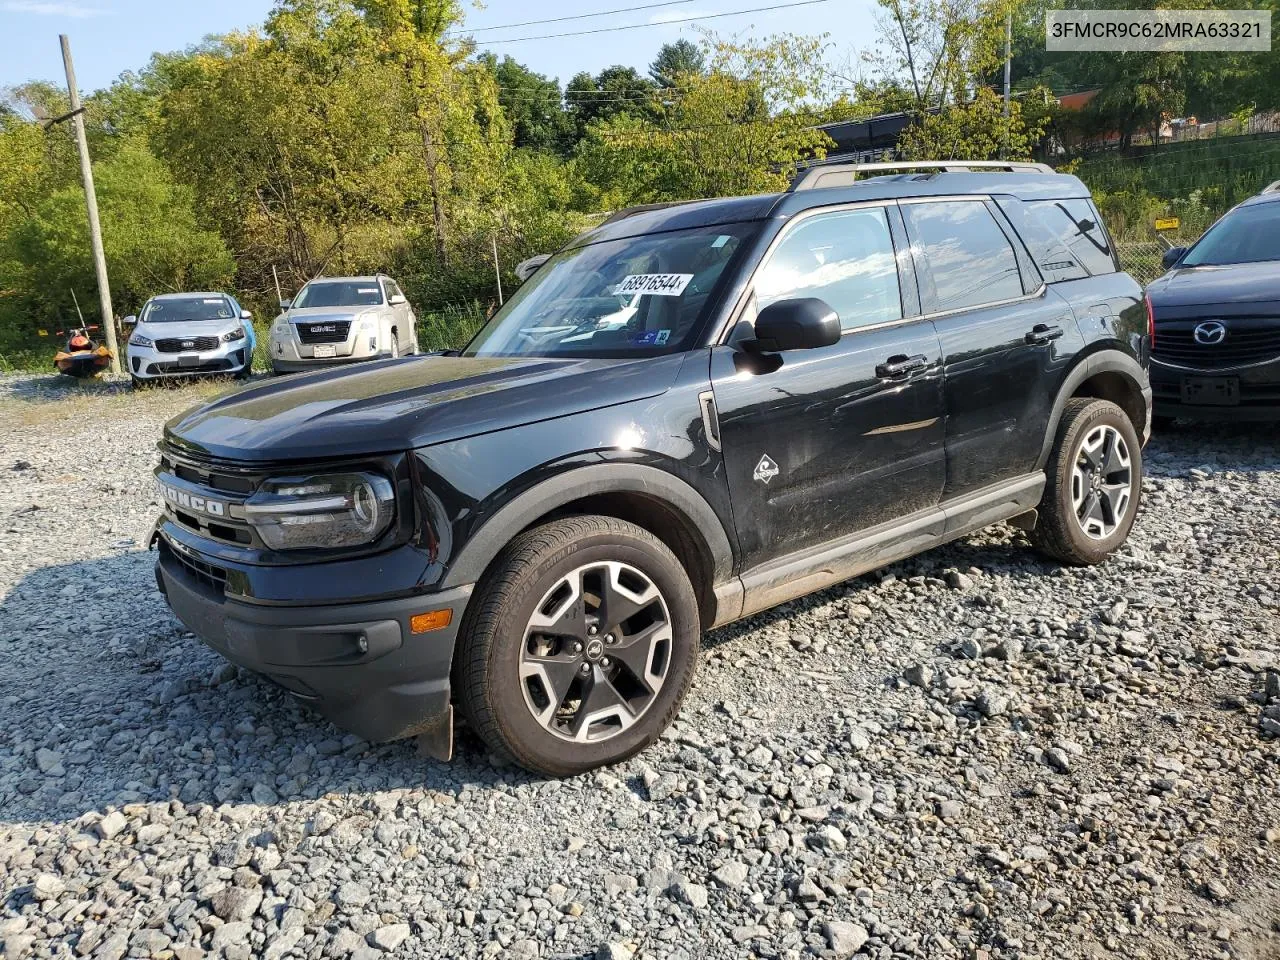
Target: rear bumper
(357,664)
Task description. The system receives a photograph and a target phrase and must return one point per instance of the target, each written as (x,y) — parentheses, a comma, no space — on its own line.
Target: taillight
(1151,320)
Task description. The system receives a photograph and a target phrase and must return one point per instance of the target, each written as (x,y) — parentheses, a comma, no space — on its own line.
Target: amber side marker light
(435,620)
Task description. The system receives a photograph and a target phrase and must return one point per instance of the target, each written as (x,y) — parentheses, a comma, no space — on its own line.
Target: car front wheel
(581,647)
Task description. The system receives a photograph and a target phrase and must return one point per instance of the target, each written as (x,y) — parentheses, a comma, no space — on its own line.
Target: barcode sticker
(653,284)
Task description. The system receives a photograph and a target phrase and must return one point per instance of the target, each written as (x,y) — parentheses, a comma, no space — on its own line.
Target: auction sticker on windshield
(653,284)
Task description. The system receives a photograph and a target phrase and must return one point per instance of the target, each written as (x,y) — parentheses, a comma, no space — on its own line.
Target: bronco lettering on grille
(191,502)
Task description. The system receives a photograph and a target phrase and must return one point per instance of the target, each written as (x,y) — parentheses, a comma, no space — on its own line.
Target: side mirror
(1172,256)
(129,321)
(800,324)
(246,315)
(286,304)
(397,299)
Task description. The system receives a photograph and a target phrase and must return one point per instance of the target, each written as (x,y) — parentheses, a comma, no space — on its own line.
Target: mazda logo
(1210,332)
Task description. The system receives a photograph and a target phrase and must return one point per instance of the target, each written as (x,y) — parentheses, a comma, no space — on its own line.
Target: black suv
(692,413)
(1216,354)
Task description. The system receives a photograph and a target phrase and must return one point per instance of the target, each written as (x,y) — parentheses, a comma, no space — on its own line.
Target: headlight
(327,511)
(234,335)
(138,340)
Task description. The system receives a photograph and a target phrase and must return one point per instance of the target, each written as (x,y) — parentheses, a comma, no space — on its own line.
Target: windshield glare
(1249,235)
(635,296)
(187,308)
(345,293)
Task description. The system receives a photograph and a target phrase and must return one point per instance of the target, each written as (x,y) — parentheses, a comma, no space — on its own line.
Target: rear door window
(968,260)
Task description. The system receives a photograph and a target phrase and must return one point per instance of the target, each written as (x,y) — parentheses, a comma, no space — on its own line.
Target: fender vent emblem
(766,469)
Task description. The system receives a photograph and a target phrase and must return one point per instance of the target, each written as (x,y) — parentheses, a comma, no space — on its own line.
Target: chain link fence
(1141,258)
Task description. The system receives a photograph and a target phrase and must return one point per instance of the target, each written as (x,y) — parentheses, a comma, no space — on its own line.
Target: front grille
(1249,340)
(206,574)
(229,485)
(328,331)
(186,344)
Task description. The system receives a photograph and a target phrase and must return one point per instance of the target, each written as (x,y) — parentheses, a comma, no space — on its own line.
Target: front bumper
(358,664)
(148,363)
(1259,390)
(289,353)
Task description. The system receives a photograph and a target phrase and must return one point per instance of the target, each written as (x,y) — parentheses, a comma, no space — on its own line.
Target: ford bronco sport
(690,414)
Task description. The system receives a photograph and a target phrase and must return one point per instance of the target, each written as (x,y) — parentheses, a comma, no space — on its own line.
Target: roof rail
(843,174)
(1272,188)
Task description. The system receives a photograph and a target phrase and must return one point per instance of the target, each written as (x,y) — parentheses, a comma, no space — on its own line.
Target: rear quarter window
(1066,237)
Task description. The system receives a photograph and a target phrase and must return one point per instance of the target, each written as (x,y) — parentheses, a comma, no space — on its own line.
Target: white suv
(336,320)
(184,334)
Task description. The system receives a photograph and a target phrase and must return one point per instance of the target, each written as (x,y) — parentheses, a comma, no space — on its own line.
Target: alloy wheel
(596,651)
(1101,482)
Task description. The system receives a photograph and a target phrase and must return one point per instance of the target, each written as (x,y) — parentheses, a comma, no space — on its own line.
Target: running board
(799,574)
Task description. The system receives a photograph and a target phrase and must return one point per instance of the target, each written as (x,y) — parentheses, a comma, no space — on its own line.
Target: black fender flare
(574,484)
(1101,361)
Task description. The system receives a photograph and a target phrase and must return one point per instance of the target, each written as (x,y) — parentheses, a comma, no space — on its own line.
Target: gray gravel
(973,754)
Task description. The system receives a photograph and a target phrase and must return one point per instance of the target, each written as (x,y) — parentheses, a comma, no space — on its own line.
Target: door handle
(1044,332)
(899,366)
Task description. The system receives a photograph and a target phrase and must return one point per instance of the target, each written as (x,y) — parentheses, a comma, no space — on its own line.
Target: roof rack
(843,174)
(1272,188)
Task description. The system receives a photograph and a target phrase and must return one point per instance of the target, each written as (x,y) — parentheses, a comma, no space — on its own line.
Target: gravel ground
(972,754)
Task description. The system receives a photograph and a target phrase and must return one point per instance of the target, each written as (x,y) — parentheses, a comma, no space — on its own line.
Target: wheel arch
(1107,375)
(647,496)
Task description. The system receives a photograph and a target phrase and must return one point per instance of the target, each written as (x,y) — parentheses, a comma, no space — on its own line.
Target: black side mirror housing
(801,324)
(1172,256)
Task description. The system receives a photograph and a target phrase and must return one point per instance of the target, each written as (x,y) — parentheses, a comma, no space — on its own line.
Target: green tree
(674,60)
(533,104)
(614,92)
(151,235)
(739,128)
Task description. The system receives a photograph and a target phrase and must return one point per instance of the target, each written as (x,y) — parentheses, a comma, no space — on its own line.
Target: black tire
(1058,531)
(493,640)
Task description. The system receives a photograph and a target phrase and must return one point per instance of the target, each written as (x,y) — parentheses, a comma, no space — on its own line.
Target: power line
(579,16)
(664,23)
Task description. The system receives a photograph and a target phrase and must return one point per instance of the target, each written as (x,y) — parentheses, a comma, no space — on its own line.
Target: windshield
(339,293)
(636,296)
(187,308)
(1249,235)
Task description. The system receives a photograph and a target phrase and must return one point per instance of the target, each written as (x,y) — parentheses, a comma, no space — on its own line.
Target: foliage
(362,135)
(151,237)
(739,128)
(674,62)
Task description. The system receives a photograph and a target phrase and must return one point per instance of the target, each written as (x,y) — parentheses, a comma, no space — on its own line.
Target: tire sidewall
(1107,414)
(518,725)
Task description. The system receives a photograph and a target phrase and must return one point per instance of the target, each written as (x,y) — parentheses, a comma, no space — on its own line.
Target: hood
(1240,283)
(320,314)
(186,329)
(390,405)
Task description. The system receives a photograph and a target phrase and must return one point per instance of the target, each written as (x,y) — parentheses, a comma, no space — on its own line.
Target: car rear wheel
(1094,484)
(581,647)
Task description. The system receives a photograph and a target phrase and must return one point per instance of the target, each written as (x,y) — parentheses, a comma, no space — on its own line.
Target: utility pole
(91,202)
(1008,60)
(497,270)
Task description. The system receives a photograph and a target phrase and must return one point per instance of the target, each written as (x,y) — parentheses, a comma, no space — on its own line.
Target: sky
(109,37)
